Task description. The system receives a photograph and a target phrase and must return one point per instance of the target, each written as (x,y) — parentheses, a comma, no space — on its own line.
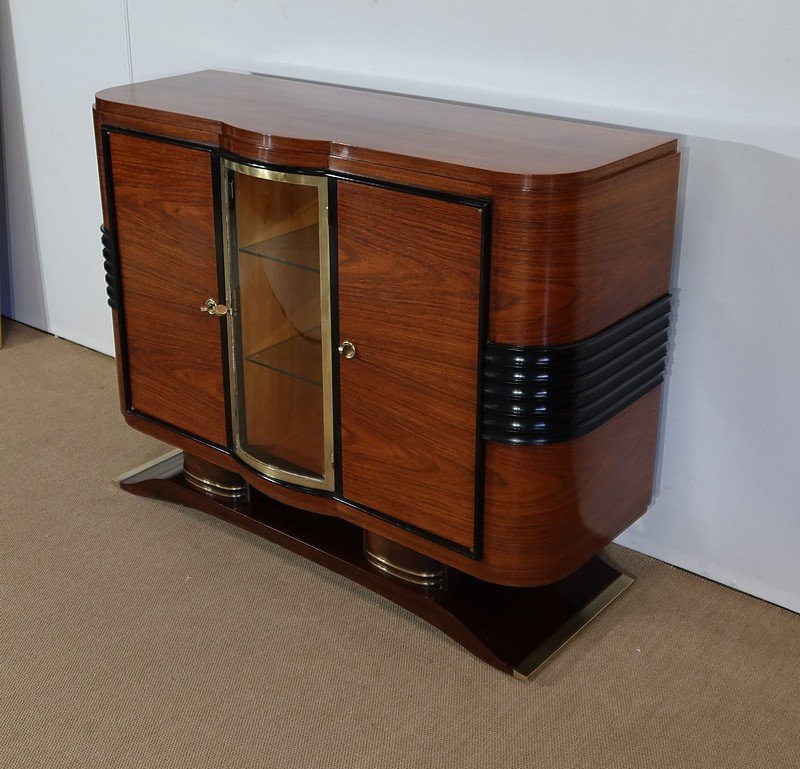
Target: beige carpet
(135,633)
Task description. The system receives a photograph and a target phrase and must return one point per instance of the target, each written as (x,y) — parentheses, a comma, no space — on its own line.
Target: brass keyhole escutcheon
(347,349)
(212,308)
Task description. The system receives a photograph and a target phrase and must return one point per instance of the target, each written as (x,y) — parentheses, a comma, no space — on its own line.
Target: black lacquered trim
(549,394)
(474,552)
(484,206)
(119,296)
(110,265)
(222,291)
(586,355)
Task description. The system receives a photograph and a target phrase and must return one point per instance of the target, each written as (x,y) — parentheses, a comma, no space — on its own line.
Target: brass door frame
(235,356)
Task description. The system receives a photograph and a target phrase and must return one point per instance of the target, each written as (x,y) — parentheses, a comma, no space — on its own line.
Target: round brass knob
(347,349)
(212,308)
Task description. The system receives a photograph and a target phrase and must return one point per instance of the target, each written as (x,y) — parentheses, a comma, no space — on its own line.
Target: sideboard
(420,342)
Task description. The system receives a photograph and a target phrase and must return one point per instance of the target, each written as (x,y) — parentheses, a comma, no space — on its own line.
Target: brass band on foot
(211,479)
(402,562)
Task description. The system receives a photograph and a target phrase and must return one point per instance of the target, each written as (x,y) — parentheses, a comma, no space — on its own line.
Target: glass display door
(278,288)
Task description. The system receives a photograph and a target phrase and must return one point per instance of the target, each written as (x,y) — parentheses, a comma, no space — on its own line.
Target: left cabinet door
(165,226)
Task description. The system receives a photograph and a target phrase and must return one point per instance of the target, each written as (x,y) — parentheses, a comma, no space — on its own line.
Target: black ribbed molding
(537,395)
(110,265)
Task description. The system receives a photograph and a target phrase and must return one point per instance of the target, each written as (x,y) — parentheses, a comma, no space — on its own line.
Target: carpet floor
(137,633)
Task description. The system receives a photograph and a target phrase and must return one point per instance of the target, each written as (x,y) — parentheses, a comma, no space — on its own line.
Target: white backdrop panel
(54,59)
(721,69)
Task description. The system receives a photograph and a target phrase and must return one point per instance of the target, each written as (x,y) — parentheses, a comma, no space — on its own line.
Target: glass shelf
(299,248)
(299,357)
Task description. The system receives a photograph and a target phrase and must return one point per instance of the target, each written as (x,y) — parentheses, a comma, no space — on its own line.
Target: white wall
(54,57)
(727,505)
(721,68)
(723,74)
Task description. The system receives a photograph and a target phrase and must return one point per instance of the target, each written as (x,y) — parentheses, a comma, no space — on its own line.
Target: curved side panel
(550,508)
(569,265)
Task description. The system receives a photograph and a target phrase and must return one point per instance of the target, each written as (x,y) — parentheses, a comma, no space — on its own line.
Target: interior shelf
(299,248)
(299,357)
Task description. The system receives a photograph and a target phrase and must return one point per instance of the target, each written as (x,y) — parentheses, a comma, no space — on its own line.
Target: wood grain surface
(566,266)
(309,125)
(582,235)
(409,279)
(550,508)
(167,250)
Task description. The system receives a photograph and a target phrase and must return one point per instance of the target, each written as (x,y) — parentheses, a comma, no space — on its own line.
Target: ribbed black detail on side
(109,263)
(537,395)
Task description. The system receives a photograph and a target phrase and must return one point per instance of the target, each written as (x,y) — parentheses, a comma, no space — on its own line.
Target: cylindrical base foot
(403,562)
(210,479)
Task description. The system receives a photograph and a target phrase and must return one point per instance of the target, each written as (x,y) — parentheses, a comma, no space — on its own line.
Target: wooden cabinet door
(409,299)
(164,204)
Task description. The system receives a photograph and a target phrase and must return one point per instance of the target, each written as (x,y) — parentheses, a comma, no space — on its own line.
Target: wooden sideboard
(437,327)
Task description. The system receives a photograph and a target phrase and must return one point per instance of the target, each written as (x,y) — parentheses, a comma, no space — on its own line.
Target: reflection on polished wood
(593,490)
(579,233)
(311,125)
(550,508)
(516,630)
(568,265)
(165,230)
(409,299)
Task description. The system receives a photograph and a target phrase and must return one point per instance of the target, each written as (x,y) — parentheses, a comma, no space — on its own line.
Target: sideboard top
(328,125)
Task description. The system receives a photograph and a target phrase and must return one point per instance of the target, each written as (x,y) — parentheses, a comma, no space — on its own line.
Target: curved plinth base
(515,629)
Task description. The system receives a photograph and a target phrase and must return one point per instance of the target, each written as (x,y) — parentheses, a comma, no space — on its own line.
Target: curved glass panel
(277,271)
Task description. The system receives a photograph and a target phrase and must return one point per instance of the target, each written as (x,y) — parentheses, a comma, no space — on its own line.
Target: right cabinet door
(410,304)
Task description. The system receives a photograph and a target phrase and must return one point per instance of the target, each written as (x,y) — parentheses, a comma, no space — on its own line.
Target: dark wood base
(514,629)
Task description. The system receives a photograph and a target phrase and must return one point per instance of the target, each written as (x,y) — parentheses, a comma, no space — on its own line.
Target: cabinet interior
(276,282)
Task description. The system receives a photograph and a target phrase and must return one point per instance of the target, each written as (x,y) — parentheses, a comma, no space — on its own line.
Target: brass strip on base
(571,628)
(172,464)
(165,466)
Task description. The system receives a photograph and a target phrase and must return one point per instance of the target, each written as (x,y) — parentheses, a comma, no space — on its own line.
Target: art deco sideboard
(419,342)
